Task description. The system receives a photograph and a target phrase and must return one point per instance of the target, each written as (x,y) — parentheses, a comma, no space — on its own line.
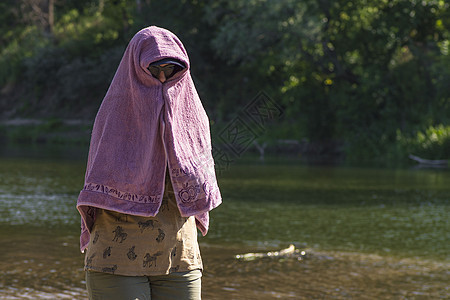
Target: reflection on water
(23,209)
(368,234)
(46,274)
(324,275)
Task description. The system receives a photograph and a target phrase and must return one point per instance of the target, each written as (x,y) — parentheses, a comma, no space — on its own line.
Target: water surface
(368,233)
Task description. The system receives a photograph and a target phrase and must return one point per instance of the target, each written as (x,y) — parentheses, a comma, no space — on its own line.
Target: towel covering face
(143,128)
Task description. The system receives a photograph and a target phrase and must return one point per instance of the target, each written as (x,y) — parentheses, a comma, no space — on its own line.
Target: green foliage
(20,46)
(360,72)
(350,70)
(50,131)
(432,143)
(87,35)
(66,72)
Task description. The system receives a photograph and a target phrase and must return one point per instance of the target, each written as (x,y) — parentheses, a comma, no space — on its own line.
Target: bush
(12,56)
(55,83)
(433,143)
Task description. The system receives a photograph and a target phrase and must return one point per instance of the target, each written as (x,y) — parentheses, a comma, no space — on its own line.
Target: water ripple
(20,209)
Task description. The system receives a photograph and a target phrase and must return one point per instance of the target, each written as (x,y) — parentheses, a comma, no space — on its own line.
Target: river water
(368,233)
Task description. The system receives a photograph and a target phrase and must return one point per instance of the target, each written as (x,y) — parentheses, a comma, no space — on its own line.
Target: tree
(355,70)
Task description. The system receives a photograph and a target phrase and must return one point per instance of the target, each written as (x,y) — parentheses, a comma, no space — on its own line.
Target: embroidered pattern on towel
(101,188)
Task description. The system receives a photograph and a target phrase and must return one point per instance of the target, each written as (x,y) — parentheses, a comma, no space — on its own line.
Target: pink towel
(144,127)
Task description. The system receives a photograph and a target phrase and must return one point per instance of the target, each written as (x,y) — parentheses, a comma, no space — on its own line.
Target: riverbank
(56,131)
(77,132)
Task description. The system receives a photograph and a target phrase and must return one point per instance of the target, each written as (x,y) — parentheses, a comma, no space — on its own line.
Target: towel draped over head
(143,128)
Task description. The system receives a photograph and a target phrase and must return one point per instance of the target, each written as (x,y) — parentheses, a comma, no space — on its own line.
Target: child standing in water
(150,179)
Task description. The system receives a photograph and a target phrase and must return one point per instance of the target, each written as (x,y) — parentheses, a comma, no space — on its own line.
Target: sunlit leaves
(353,70)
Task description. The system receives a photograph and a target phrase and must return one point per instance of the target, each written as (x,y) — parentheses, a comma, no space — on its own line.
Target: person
(150,179)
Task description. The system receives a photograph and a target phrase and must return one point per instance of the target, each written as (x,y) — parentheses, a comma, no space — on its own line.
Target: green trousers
(179,285)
